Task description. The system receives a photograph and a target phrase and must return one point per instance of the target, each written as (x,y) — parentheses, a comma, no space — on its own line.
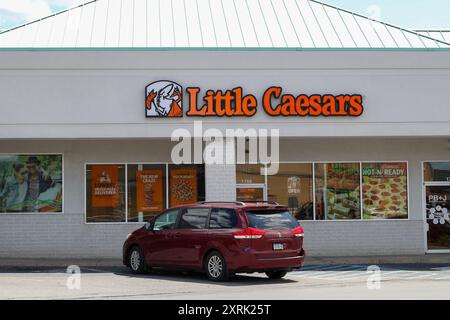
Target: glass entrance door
(251,192)
(437,216)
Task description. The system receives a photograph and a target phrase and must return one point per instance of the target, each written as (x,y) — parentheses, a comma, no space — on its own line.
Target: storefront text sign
(165,99)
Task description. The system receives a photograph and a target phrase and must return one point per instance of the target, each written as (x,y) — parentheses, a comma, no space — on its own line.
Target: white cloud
(21,11)
(66,3)
(26,10)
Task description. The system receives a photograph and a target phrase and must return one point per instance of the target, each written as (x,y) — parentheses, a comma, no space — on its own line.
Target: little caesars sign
(165,99)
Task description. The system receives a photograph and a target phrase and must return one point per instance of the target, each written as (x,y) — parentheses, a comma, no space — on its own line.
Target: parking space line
(355,272)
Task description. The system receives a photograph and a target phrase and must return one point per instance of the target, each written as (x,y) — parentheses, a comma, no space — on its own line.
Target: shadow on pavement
(156,274)
(196,277)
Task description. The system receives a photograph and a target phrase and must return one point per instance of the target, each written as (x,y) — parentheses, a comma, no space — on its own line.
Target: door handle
(173,235)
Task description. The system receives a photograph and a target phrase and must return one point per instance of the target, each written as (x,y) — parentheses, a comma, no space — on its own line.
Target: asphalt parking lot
(313,282)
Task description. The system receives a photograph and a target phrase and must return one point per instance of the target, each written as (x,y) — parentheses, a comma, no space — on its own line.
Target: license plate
(278,246)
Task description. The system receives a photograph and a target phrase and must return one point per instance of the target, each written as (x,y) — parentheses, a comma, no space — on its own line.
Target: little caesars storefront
(86,154)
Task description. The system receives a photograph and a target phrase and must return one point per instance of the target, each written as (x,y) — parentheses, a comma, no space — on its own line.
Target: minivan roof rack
(262,201)
(234,202)
(242,203)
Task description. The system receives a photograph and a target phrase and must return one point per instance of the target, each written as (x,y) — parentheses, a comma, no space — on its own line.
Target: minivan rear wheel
(136,260)
(278,274)
(216,267)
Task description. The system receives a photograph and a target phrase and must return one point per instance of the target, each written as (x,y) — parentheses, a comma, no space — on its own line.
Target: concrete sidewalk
(435,259)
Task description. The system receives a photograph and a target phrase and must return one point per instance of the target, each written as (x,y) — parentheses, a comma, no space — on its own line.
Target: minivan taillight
(249,233)
(298,232)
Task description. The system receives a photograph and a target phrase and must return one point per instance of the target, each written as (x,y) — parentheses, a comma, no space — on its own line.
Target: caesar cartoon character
(163,99)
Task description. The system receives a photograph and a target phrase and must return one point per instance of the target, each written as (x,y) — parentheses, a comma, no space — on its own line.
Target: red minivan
(219,238)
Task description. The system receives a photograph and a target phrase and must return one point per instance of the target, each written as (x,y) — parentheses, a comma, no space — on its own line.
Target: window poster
(31,183)
(183,186)
(105,186)
(149,190)
(341,193)
(385,190)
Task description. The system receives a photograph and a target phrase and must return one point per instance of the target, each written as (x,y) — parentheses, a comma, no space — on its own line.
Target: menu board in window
(183,186)
(149,190)
(385,190)
(105,186)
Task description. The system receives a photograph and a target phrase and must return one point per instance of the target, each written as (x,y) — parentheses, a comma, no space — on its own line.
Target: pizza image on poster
(385,194)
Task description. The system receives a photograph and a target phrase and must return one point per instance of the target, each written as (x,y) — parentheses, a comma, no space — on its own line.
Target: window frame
(166,164)
(62,186)
(360,162)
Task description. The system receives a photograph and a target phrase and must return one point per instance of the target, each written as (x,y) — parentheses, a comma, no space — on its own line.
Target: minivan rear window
(271,220)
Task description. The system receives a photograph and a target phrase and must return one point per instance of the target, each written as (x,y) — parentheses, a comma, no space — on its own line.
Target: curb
(380,260)
(434,259)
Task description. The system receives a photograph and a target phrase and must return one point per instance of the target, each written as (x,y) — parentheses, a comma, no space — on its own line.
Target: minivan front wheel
(278,274)
(136,260)
(216,267)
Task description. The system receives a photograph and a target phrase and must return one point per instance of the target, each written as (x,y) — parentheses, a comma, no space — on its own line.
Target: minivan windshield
(271,220)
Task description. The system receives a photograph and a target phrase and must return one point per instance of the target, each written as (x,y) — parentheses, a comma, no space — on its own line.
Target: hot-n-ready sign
(165,99)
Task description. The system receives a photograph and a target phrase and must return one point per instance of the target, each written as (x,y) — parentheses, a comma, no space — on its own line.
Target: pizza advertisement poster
(385,193)
(183,186)
(149,190)
(105,186)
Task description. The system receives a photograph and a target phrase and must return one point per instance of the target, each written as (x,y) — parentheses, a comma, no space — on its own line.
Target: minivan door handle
(176,235)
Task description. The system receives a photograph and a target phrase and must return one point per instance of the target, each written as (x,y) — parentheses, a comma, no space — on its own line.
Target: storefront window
(31,183)
(249,174)
(293,186)
(341,191)
(337,191)
(385,194)
(146,191)
(436,171)
(105,193)
(149,190)
(186,184)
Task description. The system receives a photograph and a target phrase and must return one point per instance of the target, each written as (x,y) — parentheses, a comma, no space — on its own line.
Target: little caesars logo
(165,99)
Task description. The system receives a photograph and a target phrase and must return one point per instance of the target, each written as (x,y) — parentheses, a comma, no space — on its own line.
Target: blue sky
(412,14)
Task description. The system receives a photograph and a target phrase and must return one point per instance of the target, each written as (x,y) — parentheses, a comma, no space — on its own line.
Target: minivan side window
(222,218)
(194,218)
(166,221)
